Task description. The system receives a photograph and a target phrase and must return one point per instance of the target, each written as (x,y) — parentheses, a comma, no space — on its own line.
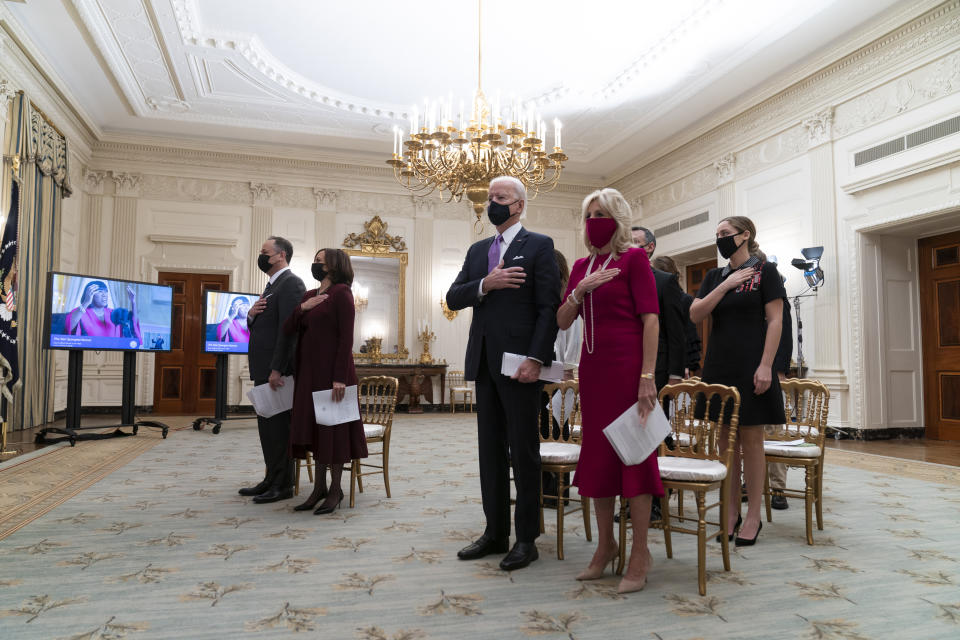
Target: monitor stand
(220,408)
(127,408)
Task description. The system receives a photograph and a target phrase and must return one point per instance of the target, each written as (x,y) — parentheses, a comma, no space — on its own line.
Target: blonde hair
(614,205)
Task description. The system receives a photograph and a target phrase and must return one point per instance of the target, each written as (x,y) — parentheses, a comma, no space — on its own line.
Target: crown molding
(861,62)
(23,63)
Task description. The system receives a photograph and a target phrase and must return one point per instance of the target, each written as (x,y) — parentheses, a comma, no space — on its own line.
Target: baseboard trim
(893,433)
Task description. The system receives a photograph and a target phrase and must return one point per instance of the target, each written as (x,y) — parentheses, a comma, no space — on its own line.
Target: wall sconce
(448,313)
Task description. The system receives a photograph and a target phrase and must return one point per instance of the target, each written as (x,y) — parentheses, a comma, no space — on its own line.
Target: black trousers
(507,431)
(275,441)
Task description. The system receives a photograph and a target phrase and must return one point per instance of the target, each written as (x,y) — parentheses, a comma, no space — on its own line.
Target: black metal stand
(220,406)
(127,407)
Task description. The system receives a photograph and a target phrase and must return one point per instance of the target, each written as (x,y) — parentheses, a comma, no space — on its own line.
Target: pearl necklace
(590,344)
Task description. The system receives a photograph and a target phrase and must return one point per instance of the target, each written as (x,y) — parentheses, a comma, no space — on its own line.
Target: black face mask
(318,271)
(728,246)
(499,213)
(263,261)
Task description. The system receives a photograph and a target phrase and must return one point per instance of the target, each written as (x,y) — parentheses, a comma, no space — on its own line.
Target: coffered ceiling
(334,77)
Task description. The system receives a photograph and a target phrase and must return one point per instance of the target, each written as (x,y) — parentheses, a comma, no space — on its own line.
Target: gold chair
(560,452)
(308,463)
(805,404)
(378,400)
(696,464)
(457,385)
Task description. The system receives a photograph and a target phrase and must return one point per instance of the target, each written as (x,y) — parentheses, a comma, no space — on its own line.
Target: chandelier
(360,299)
(462,156)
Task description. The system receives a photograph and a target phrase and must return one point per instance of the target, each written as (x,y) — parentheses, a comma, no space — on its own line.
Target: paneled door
(940,325)
(185,378)
(695,274)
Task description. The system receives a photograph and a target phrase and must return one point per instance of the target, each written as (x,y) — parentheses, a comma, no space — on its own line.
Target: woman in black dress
(323,323)
(745,300)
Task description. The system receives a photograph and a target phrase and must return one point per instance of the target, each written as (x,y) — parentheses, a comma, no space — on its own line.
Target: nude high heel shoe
(628,585)
(593,572)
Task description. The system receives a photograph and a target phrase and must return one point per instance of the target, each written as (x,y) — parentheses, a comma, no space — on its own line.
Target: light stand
(813,276)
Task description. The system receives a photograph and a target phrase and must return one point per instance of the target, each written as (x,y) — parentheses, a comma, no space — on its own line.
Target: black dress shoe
(311,502)
(779,502)
(273,495)
(736,528)
(328,507)
(255,491)
(484,546)
(522,554)
(749,542)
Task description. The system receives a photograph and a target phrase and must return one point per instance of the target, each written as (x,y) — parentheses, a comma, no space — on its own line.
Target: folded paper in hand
(267,402)
(634,441)
(328,412)
(512,362)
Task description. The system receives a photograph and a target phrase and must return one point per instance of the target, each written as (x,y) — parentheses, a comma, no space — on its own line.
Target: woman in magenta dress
(323,322)
(93,316)
(614,292)
(234,326)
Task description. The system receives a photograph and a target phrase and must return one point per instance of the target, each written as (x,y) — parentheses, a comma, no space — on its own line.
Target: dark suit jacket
(694,345)
(270,349)
(521,321)
(781,361)
(672,348)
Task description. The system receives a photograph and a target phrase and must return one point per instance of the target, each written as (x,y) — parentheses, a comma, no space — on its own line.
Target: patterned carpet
(164,547)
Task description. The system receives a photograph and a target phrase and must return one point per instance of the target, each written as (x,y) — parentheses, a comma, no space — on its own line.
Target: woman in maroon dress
(615,293)
(323,323)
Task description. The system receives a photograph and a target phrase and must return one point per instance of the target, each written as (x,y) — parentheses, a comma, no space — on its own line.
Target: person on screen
(92,317)
(234,326)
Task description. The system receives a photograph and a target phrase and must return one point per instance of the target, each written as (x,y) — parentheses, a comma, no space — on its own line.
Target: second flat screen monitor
(225,321)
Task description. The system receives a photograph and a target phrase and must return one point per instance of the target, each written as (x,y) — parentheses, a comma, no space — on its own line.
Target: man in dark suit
(513,284)
(672,347)
(270,357)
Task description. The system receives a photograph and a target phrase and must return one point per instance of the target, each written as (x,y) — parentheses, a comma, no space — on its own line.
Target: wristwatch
(648,376)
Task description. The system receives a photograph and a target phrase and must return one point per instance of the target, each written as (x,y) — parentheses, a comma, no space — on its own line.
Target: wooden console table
(415,379)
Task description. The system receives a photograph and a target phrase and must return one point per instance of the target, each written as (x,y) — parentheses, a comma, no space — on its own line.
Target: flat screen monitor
(225,321)
(106,314)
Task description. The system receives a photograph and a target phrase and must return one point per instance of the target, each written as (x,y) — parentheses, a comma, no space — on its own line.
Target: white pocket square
(518,258)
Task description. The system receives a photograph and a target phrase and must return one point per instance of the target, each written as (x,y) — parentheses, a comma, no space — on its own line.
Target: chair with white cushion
(560,452)
(378,399)
(801,443)
(699,463)
(457,385)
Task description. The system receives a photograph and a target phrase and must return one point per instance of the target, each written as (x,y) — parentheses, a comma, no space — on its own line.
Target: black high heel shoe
(310,504)
(328,508)
(736,528)
(749,542)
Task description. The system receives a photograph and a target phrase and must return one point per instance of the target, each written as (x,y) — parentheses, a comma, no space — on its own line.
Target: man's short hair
(647,234)
(282,244)
(518,187)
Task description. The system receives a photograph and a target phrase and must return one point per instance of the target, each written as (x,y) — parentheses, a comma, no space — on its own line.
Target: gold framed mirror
(379,288)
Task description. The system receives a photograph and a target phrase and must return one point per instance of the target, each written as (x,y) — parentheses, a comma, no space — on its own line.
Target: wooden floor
(936,451)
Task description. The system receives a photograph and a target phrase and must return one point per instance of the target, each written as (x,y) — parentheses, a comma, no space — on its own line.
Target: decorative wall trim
(939,160)
(839,82)
(854,229)
(158,238)
(819,127)
(127,184)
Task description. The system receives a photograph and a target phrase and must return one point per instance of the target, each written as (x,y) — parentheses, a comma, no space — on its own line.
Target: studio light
(810,265)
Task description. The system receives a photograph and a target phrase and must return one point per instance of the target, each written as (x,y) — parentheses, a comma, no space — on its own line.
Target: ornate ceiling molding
(194,33)
(872,65)
(127,35)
